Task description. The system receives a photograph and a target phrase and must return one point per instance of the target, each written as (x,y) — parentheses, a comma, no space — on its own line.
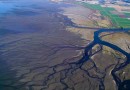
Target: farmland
(116,20)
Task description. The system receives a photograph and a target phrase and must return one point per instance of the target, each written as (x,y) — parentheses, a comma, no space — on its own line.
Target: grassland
(116,20)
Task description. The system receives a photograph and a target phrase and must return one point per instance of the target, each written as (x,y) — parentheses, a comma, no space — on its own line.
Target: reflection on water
(5,7)
(13,14)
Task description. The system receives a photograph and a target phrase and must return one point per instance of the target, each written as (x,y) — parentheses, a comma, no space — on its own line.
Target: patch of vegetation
(127,14)
(106,11)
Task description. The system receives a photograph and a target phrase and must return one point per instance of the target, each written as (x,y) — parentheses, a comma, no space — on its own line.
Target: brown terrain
(42,51)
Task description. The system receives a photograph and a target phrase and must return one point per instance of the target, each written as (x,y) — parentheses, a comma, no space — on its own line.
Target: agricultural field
(116,19)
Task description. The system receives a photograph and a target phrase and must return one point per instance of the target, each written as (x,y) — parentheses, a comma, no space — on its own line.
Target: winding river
(30,49)
(97,40)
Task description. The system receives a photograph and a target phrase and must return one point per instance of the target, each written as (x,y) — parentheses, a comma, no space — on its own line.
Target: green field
(127,14)
(106,11)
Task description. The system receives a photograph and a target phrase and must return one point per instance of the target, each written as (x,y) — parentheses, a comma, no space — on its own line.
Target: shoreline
(78,15)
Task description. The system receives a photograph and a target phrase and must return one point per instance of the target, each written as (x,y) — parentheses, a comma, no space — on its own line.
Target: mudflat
(33,40)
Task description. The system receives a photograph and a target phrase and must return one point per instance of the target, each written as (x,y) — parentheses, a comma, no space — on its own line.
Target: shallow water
(29,31)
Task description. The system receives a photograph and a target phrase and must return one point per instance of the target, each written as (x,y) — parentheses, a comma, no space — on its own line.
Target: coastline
(79,15)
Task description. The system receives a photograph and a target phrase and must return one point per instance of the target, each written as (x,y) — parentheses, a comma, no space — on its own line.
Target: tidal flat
(33,38)
(48,45)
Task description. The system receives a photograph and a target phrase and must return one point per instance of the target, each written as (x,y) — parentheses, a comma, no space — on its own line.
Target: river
(38,53)
(97,40)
